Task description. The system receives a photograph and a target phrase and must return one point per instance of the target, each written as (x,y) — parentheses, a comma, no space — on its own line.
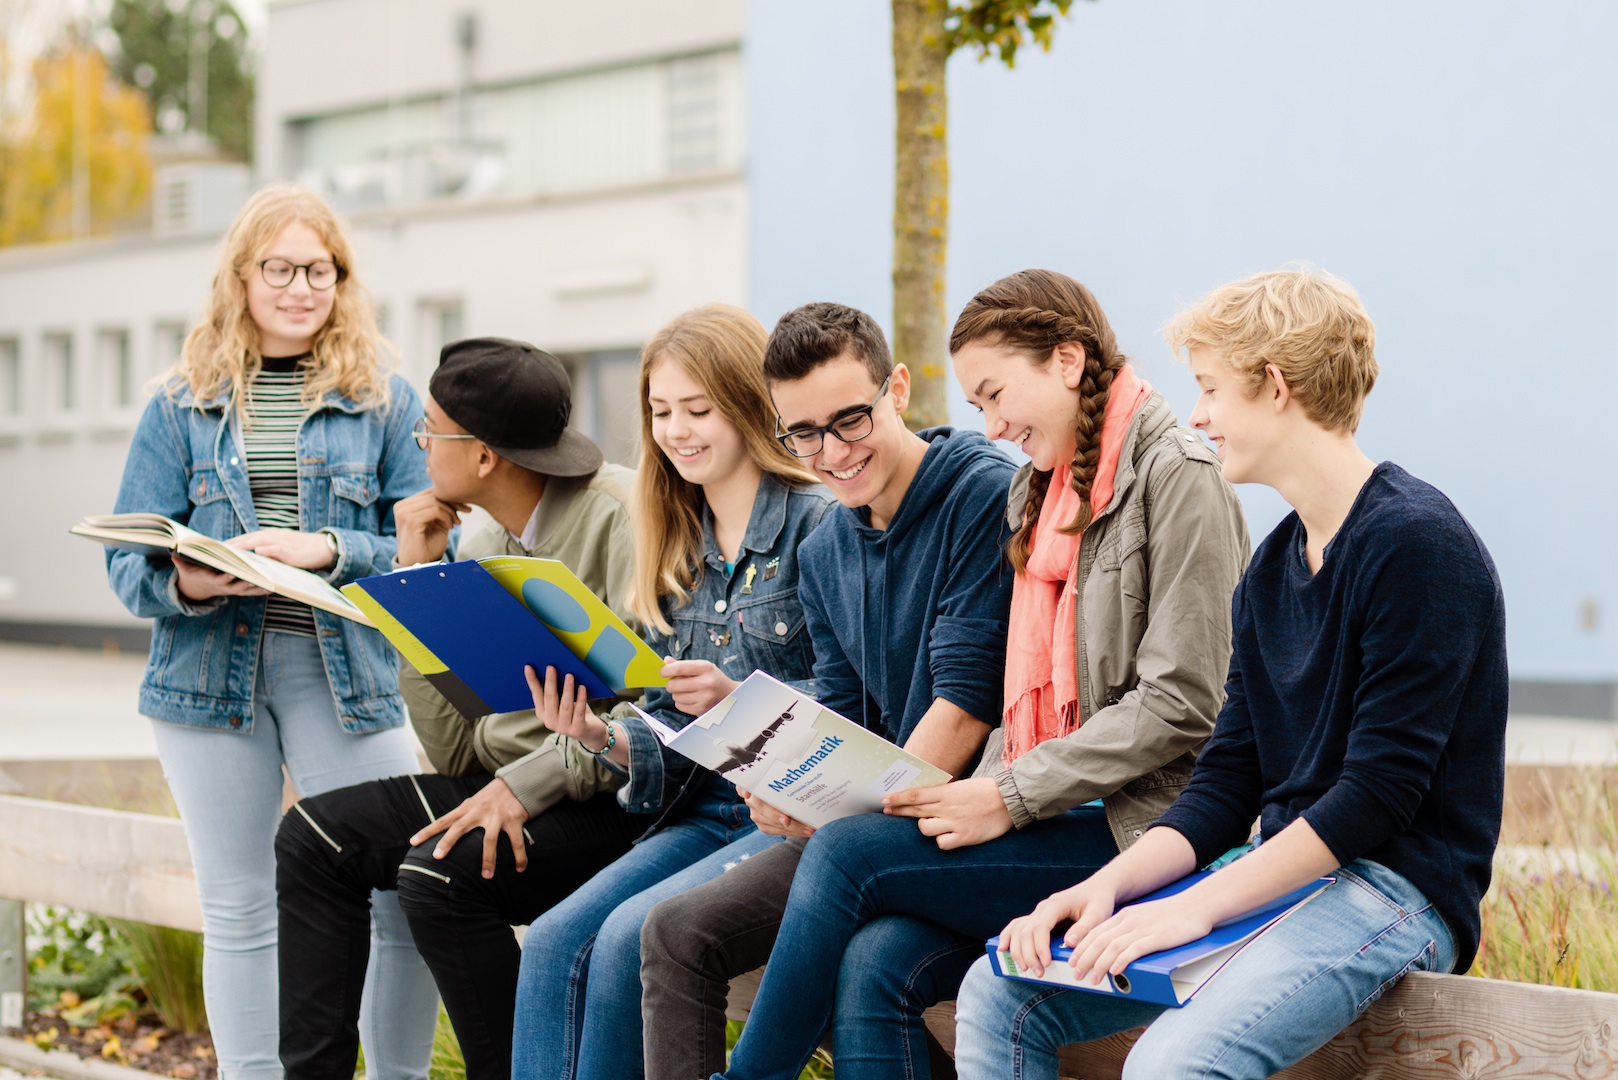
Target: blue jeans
(1275,1003)
(837,963)
(578,990)
(228,789)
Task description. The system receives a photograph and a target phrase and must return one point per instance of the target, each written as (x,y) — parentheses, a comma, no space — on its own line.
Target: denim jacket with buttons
(186,462)
(745,620)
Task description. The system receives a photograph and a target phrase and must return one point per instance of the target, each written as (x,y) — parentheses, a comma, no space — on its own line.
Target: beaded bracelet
(612,740)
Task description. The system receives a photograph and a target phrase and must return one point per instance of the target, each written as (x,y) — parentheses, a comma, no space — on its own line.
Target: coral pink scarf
(1042,681)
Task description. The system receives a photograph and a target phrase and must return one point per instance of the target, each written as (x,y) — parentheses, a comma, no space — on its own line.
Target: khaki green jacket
(1157,568)
(583,522)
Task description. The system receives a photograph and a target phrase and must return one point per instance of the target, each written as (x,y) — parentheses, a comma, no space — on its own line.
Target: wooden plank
(128,866)
(13,965)
(1429,1027)
(1439,1027)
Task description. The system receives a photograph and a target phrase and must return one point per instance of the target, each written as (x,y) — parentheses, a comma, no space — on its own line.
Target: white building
(575,174)
(507,168)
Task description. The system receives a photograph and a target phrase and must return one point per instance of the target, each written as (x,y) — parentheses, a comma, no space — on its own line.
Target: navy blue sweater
(917,611)
(1368,699)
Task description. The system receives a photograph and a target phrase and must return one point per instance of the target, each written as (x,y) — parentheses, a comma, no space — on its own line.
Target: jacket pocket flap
(771,623)
(362,489)
(206,487)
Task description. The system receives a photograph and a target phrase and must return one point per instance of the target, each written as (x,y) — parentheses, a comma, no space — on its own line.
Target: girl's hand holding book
(772,821)
(696,685)
(197,582)
(306,551)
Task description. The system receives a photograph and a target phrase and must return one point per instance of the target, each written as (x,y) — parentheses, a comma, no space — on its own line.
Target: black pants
(333,849)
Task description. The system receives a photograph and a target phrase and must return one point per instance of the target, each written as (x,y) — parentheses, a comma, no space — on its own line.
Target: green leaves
(998,28)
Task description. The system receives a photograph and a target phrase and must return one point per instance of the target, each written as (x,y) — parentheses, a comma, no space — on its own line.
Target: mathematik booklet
(470,627)
(1171,977)
(796,754)
(156,535)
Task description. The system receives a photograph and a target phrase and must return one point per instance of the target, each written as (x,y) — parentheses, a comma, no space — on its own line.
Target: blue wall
(1455,160)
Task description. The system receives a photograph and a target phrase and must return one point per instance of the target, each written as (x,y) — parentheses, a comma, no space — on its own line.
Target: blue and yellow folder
(1171,977)
(470,627)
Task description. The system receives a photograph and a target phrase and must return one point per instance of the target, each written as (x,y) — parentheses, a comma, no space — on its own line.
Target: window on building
(10,378)
(606,400)
(168,341)
(61,383)
(598,129)
(115,371)
(438,322)
(695,114)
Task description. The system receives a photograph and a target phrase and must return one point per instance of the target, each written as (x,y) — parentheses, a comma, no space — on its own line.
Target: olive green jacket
(1156,571)
(584,522)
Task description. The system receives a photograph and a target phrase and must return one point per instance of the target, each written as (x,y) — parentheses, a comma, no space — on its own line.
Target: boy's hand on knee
(495,810)
(958,814)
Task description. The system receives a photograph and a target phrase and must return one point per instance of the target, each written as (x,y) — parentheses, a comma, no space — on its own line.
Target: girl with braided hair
(1128,545)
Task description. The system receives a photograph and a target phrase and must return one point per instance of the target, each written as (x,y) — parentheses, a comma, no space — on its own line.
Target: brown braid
(1034,311)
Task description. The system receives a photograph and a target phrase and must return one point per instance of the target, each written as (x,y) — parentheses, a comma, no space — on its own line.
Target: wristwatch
(331,542)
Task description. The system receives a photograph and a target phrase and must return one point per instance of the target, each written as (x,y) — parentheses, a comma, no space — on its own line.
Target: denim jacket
(187,463)
(749,619)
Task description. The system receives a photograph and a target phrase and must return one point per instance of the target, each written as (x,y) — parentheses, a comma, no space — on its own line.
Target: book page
(798,756)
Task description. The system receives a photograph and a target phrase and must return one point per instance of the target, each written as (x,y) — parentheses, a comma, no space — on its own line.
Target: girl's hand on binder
(564,708)
(197,582)
(1028,938)
(306,551)
(696,685)
(958,814)
(495,810)
(1134,931)
(772,821)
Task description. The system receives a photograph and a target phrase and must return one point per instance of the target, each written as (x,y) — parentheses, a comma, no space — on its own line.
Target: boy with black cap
(496,436)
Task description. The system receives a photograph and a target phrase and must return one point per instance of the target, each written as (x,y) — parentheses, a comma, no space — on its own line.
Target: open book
(156,535)
(1173,976)
(796,754)
(470,627)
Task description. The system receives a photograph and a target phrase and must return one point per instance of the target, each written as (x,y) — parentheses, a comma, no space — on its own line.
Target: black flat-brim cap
(516,398)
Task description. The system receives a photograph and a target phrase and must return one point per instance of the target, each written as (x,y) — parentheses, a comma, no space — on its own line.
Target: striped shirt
(275,412)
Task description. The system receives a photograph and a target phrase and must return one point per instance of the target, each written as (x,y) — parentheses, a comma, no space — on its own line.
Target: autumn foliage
(81,119)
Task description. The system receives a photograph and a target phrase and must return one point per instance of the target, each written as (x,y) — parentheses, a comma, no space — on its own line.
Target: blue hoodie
(917,611)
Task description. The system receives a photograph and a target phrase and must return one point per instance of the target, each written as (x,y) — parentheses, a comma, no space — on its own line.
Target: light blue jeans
(578,991)
(1274,1004)
(228,787)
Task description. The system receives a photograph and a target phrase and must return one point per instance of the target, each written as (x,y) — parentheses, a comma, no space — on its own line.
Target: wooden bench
(136,866)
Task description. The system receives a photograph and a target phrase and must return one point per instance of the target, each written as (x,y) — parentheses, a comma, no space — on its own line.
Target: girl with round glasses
(281,431)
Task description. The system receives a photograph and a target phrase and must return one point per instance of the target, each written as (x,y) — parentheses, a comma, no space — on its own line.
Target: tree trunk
(920,203)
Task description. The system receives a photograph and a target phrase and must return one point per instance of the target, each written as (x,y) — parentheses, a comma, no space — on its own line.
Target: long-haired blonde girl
(722,509)
(224,350)
(718,347)
(280,431)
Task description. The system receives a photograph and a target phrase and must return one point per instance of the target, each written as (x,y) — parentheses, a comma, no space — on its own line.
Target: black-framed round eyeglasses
(278,273)
(422,434)
(850,427)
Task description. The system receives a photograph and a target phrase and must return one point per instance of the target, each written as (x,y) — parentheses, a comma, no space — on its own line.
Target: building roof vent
(198,196)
